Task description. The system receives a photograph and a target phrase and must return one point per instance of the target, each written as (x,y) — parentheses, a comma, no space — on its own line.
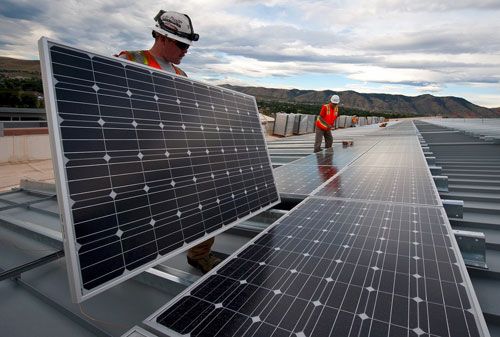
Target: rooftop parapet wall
(24,147)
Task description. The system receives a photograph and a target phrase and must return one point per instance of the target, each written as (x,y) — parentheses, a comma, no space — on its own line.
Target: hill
(15,70)
(423,105)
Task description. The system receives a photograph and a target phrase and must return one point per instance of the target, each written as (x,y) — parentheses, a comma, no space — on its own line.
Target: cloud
(22,10)
(387,44)
(430,88)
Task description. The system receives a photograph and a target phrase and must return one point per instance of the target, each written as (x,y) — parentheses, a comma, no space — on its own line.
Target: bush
(21,92)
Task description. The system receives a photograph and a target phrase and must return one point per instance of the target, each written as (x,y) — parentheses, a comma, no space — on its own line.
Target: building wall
(23,148)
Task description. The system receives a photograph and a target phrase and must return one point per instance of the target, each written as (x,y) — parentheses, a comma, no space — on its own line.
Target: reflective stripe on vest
(145,57)
(320,122)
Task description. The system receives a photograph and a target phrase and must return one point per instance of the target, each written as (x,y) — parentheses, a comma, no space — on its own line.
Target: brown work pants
(201,250)
(320,134)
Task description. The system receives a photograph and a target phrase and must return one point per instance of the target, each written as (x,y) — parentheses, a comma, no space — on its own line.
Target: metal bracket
(441,183)
(473,248)
(454,208)
(431,160)
(435,170)
(17,271)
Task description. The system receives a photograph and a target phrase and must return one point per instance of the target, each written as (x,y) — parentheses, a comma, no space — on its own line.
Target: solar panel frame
(78,292)
(137,331)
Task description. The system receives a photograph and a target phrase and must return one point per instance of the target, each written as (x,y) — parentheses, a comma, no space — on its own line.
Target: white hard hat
(175,26)
(335,99)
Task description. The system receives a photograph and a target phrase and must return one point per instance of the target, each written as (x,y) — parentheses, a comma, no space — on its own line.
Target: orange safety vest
(326,118)
(145,57)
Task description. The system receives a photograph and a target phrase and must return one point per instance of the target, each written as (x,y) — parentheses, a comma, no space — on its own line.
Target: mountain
(15,68)
(423,105)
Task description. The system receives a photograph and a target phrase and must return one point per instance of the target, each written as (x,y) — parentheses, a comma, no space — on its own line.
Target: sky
(443,48)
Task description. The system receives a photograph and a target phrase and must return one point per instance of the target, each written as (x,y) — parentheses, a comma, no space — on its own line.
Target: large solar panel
(392,159)
(403,185)
(147,163)
(340,267)
(301,177)
(336,268)
(301,180)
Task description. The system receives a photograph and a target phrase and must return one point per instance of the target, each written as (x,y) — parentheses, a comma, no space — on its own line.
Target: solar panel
(147,163)
(395,184)
(335,268)
(301,177)
(301,180)
(397,144)
(341,155)
(392,159)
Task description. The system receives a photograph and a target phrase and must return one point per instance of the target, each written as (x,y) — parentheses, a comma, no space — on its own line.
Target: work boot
(205,264)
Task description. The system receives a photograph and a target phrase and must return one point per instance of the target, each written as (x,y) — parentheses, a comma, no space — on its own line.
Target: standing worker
(325,123)
(174,34)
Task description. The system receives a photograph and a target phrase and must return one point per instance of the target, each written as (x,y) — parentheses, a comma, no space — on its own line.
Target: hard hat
(175,26)
(335,99)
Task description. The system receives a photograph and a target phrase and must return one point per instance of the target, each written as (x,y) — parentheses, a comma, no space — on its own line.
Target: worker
(354,121)
(325,123)
(173,35)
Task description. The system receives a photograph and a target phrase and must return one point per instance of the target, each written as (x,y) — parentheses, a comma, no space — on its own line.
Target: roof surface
(30,231)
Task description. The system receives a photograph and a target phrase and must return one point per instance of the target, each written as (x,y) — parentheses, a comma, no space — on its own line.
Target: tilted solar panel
(147,163)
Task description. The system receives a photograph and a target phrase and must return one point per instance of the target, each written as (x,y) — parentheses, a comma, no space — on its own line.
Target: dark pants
(201,250)
(319,138)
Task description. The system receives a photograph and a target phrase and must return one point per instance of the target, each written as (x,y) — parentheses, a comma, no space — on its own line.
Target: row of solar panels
(368,253)
(299,124)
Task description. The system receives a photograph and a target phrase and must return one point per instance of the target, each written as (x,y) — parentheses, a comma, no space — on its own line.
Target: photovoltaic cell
(303,176)
(334,268)
(397,145)
(403,185)
(341,156)
(392,159)
(147,162)
(302,180)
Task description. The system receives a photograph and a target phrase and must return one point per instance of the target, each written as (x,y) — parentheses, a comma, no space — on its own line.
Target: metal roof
(30,236)
(472,164)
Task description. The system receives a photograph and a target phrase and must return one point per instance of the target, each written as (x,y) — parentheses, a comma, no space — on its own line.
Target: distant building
(22,114)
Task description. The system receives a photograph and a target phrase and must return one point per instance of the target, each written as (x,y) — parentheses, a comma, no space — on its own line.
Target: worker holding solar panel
(325,123)
(174,34)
